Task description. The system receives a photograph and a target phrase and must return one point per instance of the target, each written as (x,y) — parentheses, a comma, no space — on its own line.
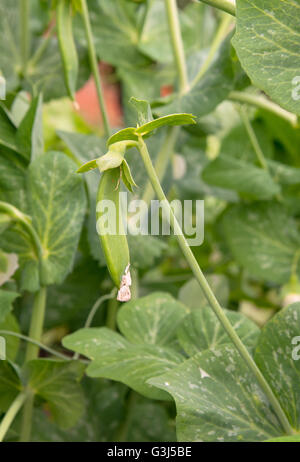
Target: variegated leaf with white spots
(278,356)
(152,319)
(114,357)
(57,203)
(218,399)
(201,330)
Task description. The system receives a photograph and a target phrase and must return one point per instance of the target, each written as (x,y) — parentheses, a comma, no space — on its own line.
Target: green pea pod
(114,242)
(67,45)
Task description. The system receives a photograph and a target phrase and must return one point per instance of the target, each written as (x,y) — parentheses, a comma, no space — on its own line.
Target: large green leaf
(277,355)
(134,365)
(56,382)
(218,399)
(116,359)
(201,330)
(209,90)
(267,42)
(152,319)
(57,202)
(263,238)
(86,147)
(231,173)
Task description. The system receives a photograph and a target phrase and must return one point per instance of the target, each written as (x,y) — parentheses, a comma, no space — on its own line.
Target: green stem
(32,351)
(221,32)
(11,414)
(97,306)
(94,65)
(177,44)
(254,141)
(37,322)
(124,428)
(213,302)
(264,103)
(225,5)
(162,160)
(24,33)
(38,344)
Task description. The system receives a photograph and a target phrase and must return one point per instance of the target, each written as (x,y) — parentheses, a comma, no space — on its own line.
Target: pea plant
(123,336)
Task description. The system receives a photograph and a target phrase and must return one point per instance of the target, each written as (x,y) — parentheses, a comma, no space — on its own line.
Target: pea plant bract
(112,336)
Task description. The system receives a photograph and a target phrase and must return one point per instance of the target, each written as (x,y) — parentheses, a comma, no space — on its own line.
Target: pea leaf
(263,238)
(57,202)
(267,43)
(276,355)
(7,132)
(217,399)
(123,135)
(132,361)
(201,331)
(143,109)
(152,319)
(208,90)
(6,300)
(30,131)
(172,119)
(116,359)
(134,365)
(12,179)
(192,295)
(94,341)
(231,173)
(144,130)
(56,382)
(10,384)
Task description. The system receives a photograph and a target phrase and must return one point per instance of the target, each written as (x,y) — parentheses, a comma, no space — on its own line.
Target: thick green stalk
(94,65)
(177,44)
(263,103)
(213,302)
(32,351)
(24,33)
(11,414)
(37,322)
(225,5)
